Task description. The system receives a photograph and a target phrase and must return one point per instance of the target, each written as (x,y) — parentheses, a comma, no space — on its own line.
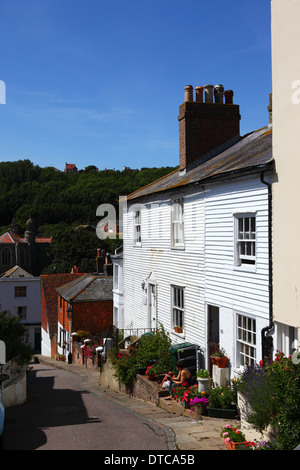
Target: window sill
(246,268)
(178,247)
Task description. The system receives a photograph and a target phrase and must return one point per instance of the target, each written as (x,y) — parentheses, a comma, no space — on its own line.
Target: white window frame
(116,277)
(137,226)
(177,305)
(177,222)
(21,312)
(245,240)
(246,339)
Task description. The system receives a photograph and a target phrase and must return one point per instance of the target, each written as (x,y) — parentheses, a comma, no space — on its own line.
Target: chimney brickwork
(204,126)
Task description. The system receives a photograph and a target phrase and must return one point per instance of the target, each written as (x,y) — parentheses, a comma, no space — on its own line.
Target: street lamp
(69,314)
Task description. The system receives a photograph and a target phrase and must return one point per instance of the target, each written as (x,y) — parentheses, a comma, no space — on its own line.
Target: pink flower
(227,440)
(225,434)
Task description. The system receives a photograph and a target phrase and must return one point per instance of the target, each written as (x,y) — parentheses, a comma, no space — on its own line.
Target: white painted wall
(32,301)
(205,267)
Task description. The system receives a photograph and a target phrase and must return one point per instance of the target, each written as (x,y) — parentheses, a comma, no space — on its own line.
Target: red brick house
(49,283)
(85,303)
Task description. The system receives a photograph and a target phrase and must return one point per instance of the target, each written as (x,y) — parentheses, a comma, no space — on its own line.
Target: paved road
(59,415)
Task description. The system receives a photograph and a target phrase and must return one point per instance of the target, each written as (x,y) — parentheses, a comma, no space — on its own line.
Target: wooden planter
(222,413)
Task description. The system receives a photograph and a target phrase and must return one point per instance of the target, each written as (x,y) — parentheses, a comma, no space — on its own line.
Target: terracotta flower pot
(232,445)
(221,362)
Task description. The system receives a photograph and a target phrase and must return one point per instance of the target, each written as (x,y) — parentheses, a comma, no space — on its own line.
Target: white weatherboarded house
(196,242)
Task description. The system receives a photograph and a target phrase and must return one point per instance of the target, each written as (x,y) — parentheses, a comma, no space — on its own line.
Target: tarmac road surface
(59,415)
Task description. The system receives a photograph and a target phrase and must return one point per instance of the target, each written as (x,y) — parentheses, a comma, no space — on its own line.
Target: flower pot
(213,360)
(221,362)
(151,377)
(203,384)
(232,445)
(226,413)
(178,329)
(200,410)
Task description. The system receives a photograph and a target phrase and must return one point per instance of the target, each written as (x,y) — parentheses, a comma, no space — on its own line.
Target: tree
(12,332)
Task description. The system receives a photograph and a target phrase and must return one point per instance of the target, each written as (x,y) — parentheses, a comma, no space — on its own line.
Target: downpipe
(267,341)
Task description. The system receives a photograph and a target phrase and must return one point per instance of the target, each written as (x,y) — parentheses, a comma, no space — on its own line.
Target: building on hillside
(28,252)
(70,168)
(49,283)
(286,193)
(195,247)
(20,294)
(85,304)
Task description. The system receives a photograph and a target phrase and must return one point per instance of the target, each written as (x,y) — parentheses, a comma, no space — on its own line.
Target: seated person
(183,378)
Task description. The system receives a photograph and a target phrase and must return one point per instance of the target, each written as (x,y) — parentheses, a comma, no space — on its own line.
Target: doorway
(151,305)
(213,331)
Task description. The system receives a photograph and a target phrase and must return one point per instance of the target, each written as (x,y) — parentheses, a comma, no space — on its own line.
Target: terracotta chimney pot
(188,93)
(199,94)
(208,90)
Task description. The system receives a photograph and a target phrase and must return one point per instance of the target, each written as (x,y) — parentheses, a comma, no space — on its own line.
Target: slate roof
(251,153)
(90,287)
(16,271)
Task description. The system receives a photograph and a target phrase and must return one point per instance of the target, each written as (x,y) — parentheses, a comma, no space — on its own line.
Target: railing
(119,334)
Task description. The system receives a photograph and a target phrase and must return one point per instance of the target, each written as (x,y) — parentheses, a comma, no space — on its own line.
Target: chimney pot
(219,92)
(199,94)
(228,96)
(188,93)
(208,90)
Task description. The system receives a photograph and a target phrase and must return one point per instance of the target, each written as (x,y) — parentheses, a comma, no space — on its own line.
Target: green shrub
(272,392)
(222,397)
(12,332)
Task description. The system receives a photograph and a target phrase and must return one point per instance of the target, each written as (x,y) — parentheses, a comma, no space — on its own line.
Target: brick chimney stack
(205,125)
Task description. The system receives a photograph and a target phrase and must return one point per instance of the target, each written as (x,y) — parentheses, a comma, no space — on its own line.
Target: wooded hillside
(59,202)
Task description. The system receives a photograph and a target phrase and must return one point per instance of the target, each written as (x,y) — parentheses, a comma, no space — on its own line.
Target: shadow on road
(46,407)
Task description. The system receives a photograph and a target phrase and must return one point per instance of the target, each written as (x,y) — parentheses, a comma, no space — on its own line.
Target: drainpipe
(267,341)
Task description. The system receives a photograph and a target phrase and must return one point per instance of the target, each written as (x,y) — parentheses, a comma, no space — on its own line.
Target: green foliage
(12,332)
(150,346)
(58,202)
(272,392)
(222,397)
(203,374)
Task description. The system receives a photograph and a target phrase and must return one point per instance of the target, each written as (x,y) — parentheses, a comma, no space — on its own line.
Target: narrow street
(59,415)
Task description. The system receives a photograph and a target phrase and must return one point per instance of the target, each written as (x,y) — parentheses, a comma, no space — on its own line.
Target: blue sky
(100,83)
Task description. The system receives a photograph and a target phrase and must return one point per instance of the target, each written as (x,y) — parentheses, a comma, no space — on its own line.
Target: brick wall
(95,317)
(203,127)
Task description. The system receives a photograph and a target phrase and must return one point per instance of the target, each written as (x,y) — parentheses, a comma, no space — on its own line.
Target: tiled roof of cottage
(90,287)
(11,237)
(251,153)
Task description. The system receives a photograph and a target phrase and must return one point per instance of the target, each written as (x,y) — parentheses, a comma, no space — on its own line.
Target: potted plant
(232,437)
(222,403)
(178,329)
(150,373)
(199,404)
(204,380)
(219,358)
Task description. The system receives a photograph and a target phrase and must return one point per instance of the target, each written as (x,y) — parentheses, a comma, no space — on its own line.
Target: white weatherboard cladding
(168,266)
(226,285)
